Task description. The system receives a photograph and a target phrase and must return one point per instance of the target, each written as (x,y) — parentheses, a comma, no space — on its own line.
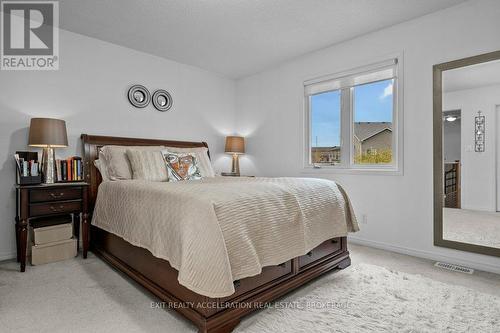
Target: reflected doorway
(452,152)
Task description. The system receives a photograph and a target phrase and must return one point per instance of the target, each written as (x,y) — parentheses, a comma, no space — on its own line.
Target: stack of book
(69,170)
(51,239)
(28,168)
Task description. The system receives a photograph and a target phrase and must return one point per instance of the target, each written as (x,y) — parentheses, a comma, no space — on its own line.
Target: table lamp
(235,145)
(48,134)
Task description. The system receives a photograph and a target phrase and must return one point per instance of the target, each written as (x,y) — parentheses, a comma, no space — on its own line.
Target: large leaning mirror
(467,154)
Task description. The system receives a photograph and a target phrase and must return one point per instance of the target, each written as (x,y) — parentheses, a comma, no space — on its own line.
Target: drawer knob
(237,283)
(56,195)
(57,210)
(309,254)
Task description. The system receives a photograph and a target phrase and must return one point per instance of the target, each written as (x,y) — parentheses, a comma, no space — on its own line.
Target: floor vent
(454,268)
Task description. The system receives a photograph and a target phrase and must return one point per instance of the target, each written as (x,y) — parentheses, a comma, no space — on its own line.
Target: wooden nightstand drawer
(56,194)
(61,207)
(323,250)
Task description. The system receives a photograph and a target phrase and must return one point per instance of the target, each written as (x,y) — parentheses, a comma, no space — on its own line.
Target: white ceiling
(236,38)
(470,77)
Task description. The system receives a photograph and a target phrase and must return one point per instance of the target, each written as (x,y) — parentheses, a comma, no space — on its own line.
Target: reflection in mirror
(162,100)
(471,154)
(139,96)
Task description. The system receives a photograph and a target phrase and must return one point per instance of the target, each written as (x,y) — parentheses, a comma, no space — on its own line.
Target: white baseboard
(7,255)
(426,255)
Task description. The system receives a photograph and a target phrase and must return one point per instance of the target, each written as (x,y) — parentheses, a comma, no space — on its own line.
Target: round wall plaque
(162,100)
(139,96)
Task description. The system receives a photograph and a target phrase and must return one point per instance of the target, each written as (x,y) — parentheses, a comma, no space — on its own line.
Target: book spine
(74,170)
(33,168)
(58,170)
(64,170)
(21,166)
(79,169)
(68,163)
(25,168)
(18,168)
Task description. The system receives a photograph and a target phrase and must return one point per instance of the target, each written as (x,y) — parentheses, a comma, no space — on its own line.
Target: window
(352,119)
(372,128)
(325,134)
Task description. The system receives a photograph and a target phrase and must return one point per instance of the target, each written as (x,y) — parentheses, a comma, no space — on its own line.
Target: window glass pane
(325,128)
(373,112)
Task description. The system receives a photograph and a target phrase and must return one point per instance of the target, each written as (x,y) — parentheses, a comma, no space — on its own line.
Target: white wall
(399,208)
(89,92)
(478,169)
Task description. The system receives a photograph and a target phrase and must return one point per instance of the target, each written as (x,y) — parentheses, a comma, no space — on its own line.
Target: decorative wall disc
(162,100)
(139,96)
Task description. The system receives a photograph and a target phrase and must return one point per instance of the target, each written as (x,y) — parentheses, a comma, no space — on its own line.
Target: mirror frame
(438,152)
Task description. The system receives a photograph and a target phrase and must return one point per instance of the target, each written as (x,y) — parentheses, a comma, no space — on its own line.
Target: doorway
(452,157)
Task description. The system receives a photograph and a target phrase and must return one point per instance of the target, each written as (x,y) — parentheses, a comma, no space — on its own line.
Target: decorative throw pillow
(181,166)
(204,164)
(147,165)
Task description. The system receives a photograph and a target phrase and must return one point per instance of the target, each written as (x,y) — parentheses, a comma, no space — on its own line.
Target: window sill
(389,171)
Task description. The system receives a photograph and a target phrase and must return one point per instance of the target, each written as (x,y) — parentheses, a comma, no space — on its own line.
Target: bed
(214,291)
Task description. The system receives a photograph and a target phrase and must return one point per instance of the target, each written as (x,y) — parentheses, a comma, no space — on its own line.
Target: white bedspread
(217,230)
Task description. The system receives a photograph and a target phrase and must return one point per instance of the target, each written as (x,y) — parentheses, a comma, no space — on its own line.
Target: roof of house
(365,130)
(325,148)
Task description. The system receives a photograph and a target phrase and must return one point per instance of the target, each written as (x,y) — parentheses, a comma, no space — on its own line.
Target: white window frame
(347,164)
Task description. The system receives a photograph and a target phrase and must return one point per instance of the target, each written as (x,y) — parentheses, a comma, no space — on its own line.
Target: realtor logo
(29,35)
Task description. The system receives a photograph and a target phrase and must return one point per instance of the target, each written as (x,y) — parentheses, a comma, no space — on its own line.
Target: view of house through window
(351,119)
(373,111)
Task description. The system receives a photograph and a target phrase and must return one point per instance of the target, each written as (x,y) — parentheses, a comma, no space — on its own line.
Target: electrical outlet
(364,219)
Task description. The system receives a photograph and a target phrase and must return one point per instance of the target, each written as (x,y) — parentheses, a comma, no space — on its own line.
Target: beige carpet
(88,296)
(472,227)
(368,298)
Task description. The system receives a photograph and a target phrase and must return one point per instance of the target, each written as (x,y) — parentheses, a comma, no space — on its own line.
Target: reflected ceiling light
(451,118)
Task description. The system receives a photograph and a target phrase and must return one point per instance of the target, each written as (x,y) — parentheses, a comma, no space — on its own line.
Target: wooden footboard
(217,314)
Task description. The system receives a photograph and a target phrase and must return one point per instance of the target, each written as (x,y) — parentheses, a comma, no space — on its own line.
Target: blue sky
(372,102)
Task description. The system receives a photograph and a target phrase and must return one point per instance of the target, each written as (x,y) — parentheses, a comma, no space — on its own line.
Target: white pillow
(118,165)
(147,165)
(202,158)
(101,166)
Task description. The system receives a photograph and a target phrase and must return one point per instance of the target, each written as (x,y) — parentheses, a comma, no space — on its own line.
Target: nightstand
(49,200)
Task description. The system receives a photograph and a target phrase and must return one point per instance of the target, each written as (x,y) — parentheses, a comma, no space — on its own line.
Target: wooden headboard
(92,144)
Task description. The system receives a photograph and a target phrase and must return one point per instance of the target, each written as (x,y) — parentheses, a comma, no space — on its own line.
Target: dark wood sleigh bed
(157,276)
